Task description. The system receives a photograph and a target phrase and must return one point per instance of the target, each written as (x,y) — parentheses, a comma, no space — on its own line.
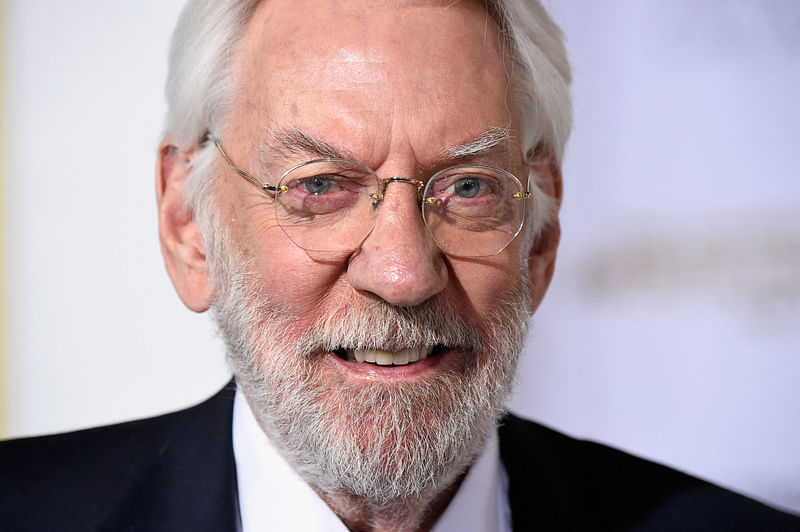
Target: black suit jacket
(176,473)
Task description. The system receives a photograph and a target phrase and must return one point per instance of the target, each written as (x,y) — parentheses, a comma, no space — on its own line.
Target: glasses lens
(472,211)
(327,205)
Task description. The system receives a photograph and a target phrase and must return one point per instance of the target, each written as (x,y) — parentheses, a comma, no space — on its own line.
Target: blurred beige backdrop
(672,328)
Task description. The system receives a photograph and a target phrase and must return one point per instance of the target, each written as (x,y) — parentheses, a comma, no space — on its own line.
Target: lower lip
(365,370)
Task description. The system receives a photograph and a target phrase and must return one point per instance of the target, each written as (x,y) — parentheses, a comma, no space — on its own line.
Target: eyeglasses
(331,205)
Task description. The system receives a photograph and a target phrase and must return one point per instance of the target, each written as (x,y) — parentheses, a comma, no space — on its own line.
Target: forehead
(373,76)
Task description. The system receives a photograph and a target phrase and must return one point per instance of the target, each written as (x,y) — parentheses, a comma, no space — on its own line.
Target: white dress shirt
(272,496)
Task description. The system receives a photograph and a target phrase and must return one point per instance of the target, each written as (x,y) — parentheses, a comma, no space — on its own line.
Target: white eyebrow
(481,144)
(293,140)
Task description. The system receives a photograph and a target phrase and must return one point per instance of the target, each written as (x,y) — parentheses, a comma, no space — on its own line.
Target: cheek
(288,278)
(488,283)
(294,282)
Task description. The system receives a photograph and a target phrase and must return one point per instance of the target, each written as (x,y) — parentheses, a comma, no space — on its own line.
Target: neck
(417,514)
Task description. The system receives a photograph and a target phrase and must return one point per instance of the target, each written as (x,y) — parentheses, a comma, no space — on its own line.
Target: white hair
(200,80)
(541,74)
(201,84)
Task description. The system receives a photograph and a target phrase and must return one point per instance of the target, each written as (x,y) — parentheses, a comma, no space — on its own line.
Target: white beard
(382,442)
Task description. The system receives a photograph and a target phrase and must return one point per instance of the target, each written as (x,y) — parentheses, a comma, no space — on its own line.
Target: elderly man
(365,193)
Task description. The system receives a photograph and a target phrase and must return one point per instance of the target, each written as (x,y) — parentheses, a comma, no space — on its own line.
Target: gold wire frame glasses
(331,205)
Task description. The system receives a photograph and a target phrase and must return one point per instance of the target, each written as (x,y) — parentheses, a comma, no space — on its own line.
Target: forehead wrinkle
(484,142)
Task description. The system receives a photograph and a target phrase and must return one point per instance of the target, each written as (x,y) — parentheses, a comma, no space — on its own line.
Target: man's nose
(399,261)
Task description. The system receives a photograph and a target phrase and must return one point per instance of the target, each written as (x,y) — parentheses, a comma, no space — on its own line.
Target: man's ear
(181,241)
(542,257)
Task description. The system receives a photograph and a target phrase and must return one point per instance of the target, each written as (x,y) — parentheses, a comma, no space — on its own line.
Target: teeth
(402,357)
(384,358)
(387,358)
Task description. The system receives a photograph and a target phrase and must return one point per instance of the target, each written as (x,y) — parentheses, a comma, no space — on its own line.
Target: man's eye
(467,187)
(319,184)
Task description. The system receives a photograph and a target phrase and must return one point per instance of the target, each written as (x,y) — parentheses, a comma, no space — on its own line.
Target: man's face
(395,88)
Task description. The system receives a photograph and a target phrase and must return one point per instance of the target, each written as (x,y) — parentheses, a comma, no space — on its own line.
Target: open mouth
(389,358)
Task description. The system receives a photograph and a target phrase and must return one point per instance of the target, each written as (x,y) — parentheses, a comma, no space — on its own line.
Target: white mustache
(375,324)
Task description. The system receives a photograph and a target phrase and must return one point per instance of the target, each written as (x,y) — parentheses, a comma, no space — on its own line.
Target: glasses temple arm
(218,143)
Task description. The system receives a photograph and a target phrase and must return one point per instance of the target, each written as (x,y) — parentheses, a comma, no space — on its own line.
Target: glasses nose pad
(376,198)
